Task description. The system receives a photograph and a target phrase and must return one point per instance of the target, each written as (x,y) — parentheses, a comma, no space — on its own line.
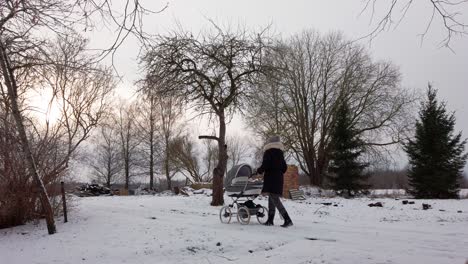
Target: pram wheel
(262,215)
(225,215)
(243,215)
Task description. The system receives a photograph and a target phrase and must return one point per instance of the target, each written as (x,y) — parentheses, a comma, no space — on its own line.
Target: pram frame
(238,206)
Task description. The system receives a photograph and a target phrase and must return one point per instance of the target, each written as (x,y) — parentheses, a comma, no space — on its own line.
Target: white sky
(418,63)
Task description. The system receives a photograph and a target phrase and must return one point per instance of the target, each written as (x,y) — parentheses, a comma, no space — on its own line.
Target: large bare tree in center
(213,72)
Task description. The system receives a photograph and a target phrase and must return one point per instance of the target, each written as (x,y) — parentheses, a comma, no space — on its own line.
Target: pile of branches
(93,190)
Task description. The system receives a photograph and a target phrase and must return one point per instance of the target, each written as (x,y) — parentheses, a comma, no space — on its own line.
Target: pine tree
(436,155)
(345,171)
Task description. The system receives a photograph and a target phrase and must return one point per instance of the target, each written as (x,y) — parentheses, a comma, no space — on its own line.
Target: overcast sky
(419,64)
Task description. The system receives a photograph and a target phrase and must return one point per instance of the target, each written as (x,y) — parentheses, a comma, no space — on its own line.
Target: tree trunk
(218,172)
(322,165)
(309,158)
(127,175)
(10,82)
(108,180)
(167,138)
(109,175)
(151,164)
(314,176)
(317,166)
(151,139)
(166,169)
(317,174)
(7,168)
(127,168)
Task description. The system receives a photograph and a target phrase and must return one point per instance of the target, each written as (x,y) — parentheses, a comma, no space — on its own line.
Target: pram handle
(254,174)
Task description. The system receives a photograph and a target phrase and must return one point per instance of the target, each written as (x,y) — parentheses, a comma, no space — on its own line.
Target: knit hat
(274,142)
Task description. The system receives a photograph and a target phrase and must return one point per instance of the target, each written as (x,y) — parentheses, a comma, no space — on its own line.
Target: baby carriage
(242,189)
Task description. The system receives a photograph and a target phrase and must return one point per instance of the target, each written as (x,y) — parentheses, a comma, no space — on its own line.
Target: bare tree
(209,154)
(238,149)
(449,14)
(12,88)
(79,118)
(170,111)
(194,161)
(148,126)
(106,157)
(160,116)
(78,94)
(185,158)
(25,27)
(14,208)
(213,72)
(300,96)
(128,140)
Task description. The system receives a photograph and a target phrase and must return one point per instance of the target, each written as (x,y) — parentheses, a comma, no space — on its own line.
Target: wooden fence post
(64,202)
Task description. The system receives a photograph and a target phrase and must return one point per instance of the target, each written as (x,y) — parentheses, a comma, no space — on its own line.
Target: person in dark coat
(274,166)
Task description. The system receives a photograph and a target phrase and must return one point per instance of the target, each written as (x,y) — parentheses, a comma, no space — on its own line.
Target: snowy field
(176,229)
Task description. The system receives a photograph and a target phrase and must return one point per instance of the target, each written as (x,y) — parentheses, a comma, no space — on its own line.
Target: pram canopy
(237,182)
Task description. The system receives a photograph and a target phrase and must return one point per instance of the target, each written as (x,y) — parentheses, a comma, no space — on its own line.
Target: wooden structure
(296,194)
(291,180)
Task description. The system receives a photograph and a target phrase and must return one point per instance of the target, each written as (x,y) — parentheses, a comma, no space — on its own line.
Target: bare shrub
(79,94)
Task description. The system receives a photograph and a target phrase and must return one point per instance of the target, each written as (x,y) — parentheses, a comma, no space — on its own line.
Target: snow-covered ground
(177,229)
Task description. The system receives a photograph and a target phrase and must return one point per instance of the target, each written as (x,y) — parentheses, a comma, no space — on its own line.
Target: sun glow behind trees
(44,108)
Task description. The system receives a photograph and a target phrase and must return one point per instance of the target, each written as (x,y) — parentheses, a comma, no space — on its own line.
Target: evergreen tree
(436,155)
(345,171)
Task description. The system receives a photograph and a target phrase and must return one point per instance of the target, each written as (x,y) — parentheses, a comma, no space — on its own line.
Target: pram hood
(237,181)
(240,170)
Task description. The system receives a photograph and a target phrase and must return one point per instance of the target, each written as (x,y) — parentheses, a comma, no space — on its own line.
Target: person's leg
(271,211)
(279,205)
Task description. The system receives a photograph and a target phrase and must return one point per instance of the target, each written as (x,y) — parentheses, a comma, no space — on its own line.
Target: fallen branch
(209,137)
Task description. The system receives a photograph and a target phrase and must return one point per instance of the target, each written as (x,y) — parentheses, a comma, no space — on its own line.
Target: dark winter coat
(274,166)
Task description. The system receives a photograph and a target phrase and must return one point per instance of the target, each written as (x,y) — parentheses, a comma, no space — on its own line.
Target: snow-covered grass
(373,193)
(178,229)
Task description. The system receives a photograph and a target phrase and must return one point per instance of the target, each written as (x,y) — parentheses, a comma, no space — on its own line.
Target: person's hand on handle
(260,170)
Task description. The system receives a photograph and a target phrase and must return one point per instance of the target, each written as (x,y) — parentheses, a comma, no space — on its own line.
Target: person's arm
(284,166)
(265,164)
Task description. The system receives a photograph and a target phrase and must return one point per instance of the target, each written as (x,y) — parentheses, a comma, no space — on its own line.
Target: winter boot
(287,220)
(271,216)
